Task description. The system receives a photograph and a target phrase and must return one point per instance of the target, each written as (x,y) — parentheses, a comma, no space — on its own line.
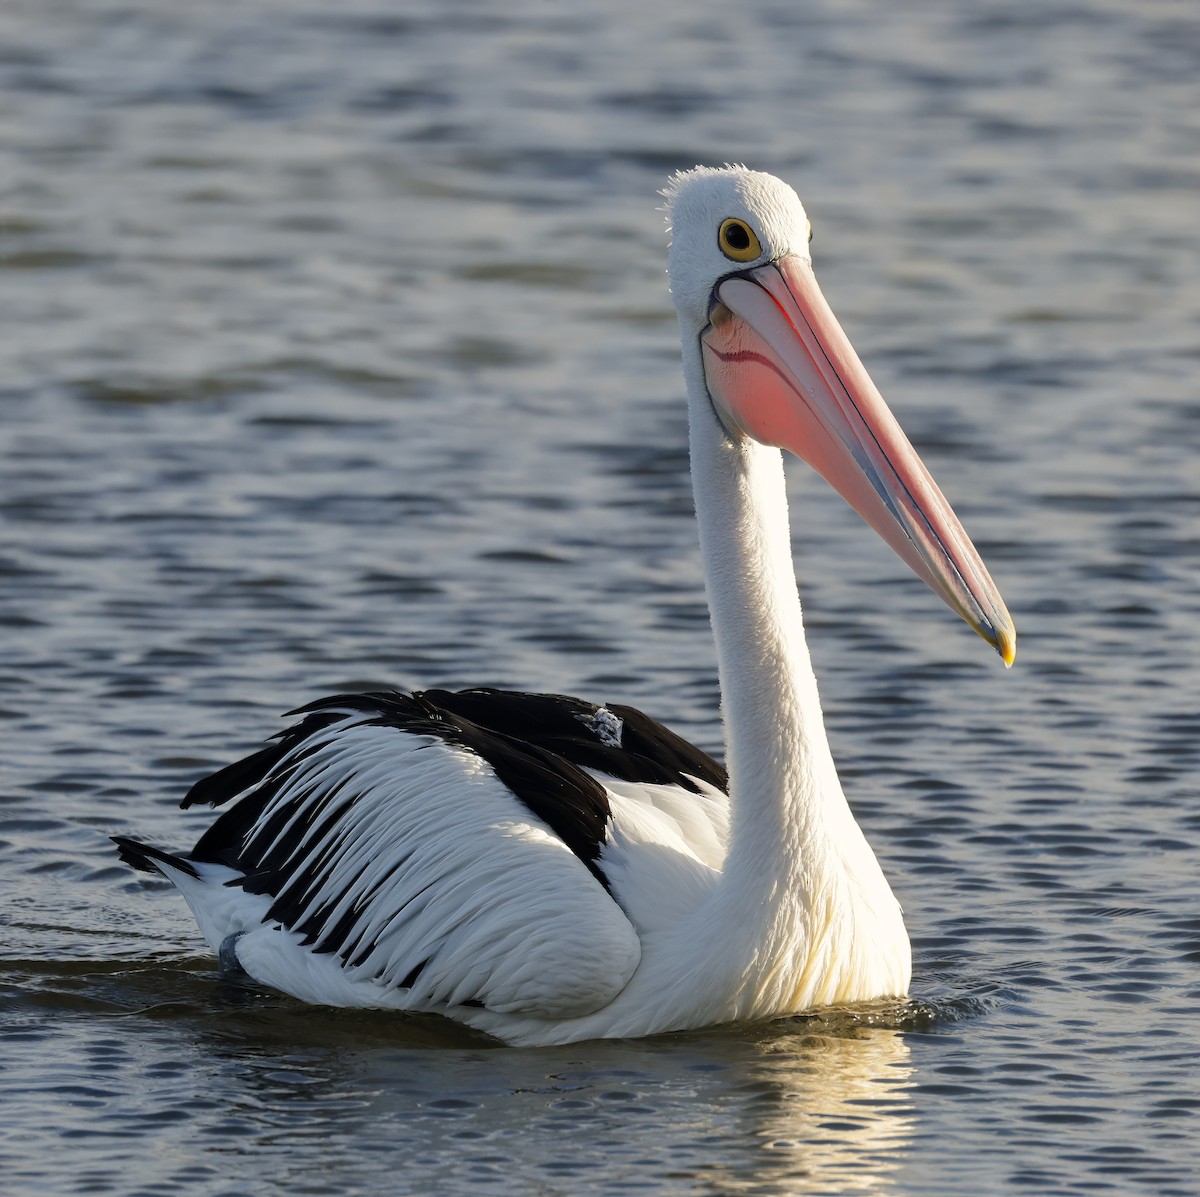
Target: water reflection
(798,1108)
(829,1113)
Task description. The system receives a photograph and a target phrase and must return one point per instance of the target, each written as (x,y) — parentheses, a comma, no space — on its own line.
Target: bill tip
(1007,646)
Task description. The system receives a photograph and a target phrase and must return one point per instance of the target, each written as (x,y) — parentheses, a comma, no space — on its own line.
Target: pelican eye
(810,232)
(737,240)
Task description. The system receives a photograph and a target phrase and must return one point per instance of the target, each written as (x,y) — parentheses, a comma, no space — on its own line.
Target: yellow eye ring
(737,240)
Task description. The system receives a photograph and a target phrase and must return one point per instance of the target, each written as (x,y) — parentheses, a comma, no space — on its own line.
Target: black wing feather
(147,859)
(538,745)
(648,751)
(551,786)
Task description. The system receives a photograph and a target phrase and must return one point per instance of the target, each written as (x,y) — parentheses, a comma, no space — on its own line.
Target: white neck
(781,772)
(797,863)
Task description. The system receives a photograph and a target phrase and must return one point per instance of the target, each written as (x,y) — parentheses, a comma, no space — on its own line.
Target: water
(336,353)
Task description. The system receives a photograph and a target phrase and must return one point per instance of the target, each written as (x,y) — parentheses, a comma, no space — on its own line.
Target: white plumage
(550,870)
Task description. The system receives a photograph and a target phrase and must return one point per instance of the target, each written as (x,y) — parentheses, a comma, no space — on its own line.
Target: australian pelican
(547,869)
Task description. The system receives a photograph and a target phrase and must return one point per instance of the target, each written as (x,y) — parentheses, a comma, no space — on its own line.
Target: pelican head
(778,368)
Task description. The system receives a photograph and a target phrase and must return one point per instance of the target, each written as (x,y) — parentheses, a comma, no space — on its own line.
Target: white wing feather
(421,865)
(664,854)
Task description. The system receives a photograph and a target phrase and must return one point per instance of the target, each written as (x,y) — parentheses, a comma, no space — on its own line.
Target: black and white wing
(430,850)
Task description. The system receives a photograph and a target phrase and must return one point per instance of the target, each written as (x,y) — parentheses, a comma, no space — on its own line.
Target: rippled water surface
(336,352)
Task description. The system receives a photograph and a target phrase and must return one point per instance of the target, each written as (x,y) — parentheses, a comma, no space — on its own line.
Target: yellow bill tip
(1006,646)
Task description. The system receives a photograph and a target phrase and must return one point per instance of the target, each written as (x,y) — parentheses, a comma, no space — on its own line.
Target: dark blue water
(336,352)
